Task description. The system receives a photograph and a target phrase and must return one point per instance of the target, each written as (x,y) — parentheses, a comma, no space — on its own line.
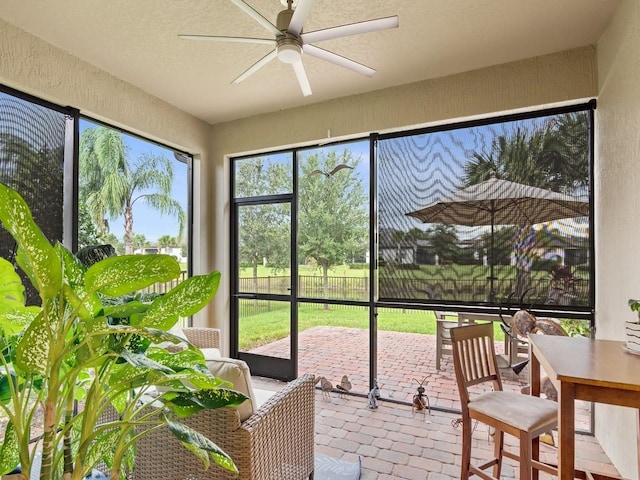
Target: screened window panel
(32,140)
(487,214)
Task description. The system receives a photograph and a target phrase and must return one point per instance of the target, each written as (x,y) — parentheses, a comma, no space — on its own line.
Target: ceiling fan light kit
(289,49)
(290,42)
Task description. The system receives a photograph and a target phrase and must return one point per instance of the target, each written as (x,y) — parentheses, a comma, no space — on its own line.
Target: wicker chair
(275,443)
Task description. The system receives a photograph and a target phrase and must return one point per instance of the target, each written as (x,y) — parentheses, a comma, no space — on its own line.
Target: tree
(112,240)
(166,241)
(554,156)
(445,243)
(88,233)
(139,241)
(332,217)
(264,229)
(111,184)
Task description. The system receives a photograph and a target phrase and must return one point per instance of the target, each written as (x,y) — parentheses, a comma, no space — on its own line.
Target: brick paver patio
(403,360)
(393,441)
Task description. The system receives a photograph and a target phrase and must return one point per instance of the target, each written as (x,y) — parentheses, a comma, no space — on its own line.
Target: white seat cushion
(236,372)
(524,412)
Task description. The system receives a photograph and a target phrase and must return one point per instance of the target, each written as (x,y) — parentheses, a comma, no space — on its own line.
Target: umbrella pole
(492,293)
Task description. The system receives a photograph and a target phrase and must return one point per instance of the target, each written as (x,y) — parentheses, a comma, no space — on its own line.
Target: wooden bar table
(583,369)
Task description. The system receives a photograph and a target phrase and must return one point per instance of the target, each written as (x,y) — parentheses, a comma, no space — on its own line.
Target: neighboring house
(175,252)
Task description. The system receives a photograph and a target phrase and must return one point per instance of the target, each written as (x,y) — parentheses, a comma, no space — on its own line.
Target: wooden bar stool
(523,416)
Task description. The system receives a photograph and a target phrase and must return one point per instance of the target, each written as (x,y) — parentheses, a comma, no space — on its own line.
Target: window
(133,194)
(32,155)
(488,213)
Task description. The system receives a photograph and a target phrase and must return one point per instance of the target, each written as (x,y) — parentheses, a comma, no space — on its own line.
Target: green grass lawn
(269,326)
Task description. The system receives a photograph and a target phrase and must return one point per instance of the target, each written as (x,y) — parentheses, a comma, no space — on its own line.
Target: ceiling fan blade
(301,75)
(255,67)
(300,14)
(338,60)
(256,16)
(350,29)
(218,38)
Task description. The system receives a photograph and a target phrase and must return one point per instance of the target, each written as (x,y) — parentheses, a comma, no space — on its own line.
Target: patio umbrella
(501,202)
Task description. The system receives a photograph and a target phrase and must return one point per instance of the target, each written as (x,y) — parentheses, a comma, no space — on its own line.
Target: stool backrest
(474,359)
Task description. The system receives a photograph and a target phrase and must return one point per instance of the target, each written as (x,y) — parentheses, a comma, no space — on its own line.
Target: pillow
(236,372)
(210,353)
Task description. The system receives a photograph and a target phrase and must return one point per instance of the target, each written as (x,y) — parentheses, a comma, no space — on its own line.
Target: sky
(146,221)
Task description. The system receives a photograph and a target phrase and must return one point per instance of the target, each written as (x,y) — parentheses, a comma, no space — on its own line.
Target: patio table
(583,369)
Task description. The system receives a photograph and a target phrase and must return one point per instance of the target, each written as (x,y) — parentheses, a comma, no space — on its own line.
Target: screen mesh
(492,213)
(32,139)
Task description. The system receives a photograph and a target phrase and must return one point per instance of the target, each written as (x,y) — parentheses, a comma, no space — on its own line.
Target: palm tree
(140,241)
(166,241)
(554,156)
(111,184)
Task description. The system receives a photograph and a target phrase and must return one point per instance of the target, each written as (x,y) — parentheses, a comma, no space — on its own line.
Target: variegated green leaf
(6,383)
(126,309)
(9,450)
(87,305)
(103,448)
(94,338)
(14,320)
(140,360)
(188,436)
(187,403)
(11,288)
(36,255)
(201,454)
(117,276)
(182,301)
(33,348)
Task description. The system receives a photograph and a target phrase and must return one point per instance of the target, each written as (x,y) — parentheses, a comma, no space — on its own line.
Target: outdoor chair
(523,416)
(273,441)
(445,321)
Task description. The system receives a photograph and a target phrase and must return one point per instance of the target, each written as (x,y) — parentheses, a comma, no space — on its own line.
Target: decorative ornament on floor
(344,386)
(420,399)
(326,386)
(374,395)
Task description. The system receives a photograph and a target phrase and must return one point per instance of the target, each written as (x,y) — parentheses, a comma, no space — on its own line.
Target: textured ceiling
(137,41)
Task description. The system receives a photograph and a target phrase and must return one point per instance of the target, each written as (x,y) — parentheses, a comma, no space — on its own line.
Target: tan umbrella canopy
(501,202)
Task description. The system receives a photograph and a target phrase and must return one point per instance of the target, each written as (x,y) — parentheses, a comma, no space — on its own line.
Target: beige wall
(617,218)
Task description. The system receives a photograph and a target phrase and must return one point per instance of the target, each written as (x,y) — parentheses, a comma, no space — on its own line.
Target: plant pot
(633,336)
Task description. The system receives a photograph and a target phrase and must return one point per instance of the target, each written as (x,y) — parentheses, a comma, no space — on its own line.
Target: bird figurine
(344,386)
(374,395)
(326,386)
(332,172)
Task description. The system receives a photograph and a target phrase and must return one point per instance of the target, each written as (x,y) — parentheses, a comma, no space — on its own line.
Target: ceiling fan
(290,42)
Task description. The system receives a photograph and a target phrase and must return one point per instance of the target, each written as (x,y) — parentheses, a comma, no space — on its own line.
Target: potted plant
(632,329)
(94,342)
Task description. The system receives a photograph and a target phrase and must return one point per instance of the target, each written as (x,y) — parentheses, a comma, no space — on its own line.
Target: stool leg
(525,456)
(466,449)
(498,438)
